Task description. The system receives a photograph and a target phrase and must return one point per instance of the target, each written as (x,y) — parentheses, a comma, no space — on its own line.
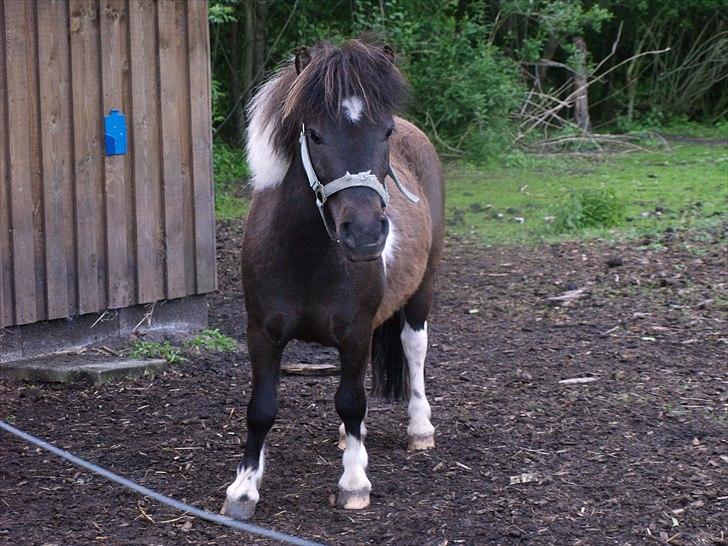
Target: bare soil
(639,455)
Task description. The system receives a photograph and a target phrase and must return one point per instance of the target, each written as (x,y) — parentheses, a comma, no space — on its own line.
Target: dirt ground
(637,456)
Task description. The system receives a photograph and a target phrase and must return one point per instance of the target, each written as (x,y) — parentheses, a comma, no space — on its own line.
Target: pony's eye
(389,133)
(314,136)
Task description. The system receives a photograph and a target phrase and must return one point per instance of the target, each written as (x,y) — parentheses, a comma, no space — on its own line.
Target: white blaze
(353,107)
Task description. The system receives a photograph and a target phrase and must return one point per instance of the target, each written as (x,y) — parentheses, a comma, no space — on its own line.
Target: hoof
(417,443)
(353,500)
(239,510)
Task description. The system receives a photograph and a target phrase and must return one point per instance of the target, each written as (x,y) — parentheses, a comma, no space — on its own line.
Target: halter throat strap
(363,179)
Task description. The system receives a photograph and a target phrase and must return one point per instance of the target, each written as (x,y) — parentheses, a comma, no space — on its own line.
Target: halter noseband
(363,179)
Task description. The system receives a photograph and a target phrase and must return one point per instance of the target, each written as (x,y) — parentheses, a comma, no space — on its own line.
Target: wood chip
(526,477)
(578,380)
(567,297)
(309,369)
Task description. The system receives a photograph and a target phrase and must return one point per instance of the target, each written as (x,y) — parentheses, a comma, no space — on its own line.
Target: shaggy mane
(288,99)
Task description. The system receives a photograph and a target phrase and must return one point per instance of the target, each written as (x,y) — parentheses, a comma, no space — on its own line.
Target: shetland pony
(345,260)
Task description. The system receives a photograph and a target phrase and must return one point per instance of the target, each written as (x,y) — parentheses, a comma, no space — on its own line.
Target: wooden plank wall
(81,232)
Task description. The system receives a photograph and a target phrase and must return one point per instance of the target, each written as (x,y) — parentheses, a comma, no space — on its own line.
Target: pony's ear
(389,53)
(303,57)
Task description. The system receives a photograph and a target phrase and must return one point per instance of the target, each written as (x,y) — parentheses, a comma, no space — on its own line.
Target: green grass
(211,340)
(529,198)
(206,340)
(228,206)
(153,349)
(685,186)
(231,174)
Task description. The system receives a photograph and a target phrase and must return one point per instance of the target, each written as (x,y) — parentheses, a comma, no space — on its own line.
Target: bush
(211,340)
(589,208)
(228,163)
(465,95)
(231,173)
(153,349)
(464,90)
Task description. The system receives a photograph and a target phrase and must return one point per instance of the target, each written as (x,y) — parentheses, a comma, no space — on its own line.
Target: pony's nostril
(346,233)
(384,225)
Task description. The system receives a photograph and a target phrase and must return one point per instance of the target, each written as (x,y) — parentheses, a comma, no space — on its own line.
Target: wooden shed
(82,232)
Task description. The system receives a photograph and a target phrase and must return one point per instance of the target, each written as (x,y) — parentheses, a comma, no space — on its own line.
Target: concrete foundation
(79,368)
(163,319)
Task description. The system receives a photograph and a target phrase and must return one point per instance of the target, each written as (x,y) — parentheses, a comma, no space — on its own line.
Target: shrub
(464,89)
(153,349)
(228,163)
(211,340)
(589,208)
(231,173)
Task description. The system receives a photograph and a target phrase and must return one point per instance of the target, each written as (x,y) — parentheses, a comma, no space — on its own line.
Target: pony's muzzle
(363,240)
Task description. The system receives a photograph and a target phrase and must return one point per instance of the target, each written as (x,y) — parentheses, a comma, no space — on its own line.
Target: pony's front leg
(342,433)
(265,356)
(351,405)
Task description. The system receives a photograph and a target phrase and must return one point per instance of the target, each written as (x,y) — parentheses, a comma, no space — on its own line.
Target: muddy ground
(639,455)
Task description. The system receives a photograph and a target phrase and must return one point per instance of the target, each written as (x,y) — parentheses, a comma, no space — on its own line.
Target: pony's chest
(313,302)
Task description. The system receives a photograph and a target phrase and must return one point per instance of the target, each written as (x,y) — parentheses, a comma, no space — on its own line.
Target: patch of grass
(228,206)
(207,340)
(153,349)
(211,340)
(683,187)
(231,173)
(589,208)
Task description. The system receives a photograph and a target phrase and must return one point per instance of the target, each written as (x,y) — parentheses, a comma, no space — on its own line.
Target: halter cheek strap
(363,179)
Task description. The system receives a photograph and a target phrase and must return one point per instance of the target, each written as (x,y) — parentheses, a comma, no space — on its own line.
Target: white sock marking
(353,107)
(355,461)
(247,482)
(362,430)
(390,247)
(414,343)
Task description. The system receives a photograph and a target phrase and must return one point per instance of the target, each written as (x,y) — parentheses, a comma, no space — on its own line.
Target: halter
(363,179)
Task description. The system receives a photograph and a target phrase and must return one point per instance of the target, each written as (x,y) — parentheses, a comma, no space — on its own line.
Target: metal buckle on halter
(320,192)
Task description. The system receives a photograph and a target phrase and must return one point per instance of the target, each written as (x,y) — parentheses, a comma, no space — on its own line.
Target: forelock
(334,73)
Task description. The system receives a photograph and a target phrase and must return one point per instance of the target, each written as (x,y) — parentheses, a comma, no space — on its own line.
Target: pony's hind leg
(420,432)
(354,486)
(242,495)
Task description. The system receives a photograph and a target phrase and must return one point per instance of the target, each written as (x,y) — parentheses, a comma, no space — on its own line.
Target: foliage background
(474,64)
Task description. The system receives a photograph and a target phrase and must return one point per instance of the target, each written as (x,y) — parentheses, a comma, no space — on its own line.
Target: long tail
(390,378)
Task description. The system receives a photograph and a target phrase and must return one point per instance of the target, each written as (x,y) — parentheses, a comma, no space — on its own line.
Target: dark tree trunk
(581,104)
(260,36)
(548,55)
(253,58)
(462,9)
(235,83)
(247,65)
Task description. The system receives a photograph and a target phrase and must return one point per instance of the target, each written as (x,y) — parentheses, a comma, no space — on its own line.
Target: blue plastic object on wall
(115,133)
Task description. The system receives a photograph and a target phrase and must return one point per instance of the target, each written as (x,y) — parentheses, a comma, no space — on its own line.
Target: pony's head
(335,105)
